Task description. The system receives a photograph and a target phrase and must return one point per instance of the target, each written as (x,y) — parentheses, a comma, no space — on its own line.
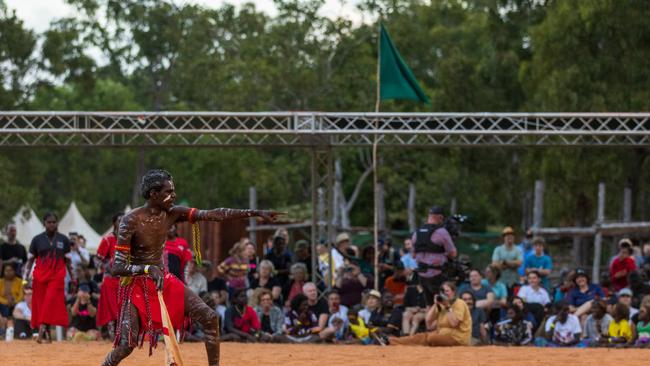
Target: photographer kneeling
(448,320)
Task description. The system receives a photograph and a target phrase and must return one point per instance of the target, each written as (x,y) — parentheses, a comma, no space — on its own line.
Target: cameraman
(449,322)
(433,248)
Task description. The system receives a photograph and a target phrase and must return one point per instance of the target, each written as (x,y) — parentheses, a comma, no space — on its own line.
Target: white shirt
(76,258)
(197,283)
(27,312)
(529,295)
(564,331)
(337,259)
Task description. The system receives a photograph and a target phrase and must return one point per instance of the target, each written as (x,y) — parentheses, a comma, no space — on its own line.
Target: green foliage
(469,55)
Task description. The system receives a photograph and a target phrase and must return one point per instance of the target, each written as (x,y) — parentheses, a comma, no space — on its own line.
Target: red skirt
(142,293)
(107,309)
(48,303)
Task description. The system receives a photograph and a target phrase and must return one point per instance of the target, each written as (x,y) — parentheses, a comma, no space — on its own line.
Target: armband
(190,216)
(146,269)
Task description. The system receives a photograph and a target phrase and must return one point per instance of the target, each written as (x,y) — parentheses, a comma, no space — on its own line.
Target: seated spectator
(216,284)
(265,279)
(387,317)
(533,318)
(270,316)
(337,320)
(492,279)
(645,301)
(235,268)
(625,297)
(622,265)
(396,283)
(533,292)
(638,287)
(642,327)
(597,323)
(219,300)
(11,290)
(563,329)
(350,283)
(564,286)
(301,323)
(195,280)
(480,322)
(23,316)
(539,262)
(317,306)
(450,318)
(298,278)
(583,293)
(360,331)
(515,330)
(415,309)
(620,331)
(83,312)
(481,292)
(372,301)
(241,323)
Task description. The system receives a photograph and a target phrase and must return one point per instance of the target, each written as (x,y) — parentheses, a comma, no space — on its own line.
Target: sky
(37,14)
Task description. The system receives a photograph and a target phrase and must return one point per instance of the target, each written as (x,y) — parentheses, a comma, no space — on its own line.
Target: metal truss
(321,129)
(322,230)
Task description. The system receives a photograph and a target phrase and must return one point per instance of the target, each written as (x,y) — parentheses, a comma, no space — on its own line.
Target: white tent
(73,221)
(28,225)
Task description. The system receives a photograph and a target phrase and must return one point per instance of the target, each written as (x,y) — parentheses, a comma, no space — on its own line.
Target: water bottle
(9,336)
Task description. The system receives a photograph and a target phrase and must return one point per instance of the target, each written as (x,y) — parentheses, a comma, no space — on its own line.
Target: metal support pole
(411,208)
(538,208)
(598,240)
(252,222)
(321,194)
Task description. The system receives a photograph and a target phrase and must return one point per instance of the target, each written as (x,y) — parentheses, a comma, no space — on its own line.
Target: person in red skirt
(49,253)
(138,262)
(107,308)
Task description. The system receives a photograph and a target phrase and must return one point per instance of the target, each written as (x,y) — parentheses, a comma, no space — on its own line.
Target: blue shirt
(543,261)
(577,298)
(499,289)
(408,261)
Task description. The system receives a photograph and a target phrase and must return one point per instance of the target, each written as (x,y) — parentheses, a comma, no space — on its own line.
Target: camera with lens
(441,298)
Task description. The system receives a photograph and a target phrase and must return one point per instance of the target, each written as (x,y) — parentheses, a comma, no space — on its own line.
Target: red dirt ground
(19,353)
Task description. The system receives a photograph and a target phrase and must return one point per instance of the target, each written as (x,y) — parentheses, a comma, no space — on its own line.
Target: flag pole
(375,186)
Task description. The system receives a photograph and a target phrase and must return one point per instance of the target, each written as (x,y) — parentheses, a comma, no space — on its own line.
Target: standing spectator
(433,248)
(408,256)
(452,321)
(303,255)
(642,327)
(176,253)
(526,249)
(583,293)
(388,257)
(235,268)
(597,323)
(83,312)
(265,279)
(350,283)
(253,259)
(281,258)
(294,286)
(533,292)
(270,316)
(241,322)
(540,262)
(415,309)
(107,309)
(396,284)
(317,306)
(23,315)
(194,279)
(11,290)
(79,256)
(563,329)
(49,253)
(367,261)
(339,253)
(622,265)
(479,320)
(507,258)
(620,331)
(301,323)
(482,293)
(11,251)
(515,330)
(492,279)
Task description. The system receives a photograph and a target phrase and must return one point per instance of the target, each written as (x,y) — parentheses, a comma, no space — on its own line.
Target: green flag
(396,78)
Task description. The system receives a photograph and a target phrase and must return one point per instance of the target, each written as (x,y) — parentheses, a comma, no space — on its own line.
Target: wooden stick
(170,336)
